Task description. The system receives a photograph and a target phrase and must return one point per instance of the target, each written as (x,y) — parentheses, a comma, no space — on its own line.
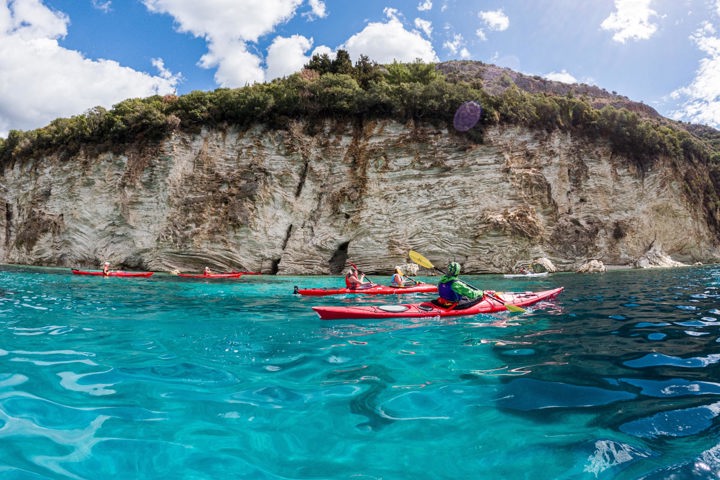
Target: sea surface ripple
(172,378)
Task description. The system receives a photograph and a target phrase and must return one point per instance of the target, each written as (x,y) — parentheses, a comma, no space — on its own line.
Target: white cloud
(701,99)
(323,50)
(424,25)
(226,19)
(41,81)
(495,20)
(562,76)
(388,42)
(425,6)
(30,19)
(105,6)
(392,13)
(455,44)
(236,67)
(286,56)
(227,26)
(163,72)
(317,10)
(631,20)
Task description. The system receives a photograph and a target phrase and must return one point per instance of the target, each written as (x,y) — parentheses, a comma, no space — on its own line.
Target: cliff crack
(303,176)
(287,236)
(8,223)
(275,265)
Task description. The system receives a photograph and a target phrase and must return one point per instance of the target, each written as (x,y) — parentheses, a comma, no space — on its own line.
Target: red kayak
(211,276)
(487,304)
(374,290)
(112,273)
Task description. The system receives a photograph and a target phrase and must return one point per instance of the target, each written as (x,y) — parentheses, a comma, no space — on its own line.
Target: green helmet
(453,269)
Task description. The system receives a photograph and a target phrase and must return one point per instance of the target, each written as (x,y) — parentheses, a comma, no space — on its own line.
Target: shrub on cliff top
(337,89)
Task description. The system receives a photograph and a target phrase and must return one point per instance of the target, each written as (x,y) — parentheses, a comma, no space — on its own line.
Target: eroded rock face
(304,200)
(545,264)
(592,266)
(655,257)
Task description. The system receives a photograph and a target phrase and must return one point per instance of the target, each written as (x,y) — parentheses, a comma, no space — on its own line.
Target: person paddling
(400,280)
(453,291)
(355,280)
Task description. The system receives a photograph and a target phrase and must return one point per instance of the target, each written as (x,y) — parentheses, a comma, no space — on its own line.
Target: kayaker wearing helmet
(356,280)
(454,291)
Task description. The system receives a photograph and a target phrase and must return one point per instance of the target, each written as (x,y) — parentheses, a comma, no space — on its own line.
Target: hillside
(362,162)
(495,80)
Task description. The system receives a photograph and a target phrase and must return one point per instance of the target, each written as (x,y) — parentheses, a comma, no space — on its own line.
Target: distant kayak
(525,275)
(112,273)
(487,304)
(374,290)
(210,276)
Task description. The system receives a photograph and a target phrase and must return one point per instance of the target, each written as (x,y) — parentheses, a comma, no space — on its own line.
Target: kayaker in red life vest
(207,271)
(356,280)
(106,268)
(452,290)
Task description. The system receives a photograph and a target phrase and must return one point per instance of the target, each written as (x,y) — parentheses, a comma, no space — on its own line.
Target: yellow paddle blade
(514,308)
(420,260)
(510,307)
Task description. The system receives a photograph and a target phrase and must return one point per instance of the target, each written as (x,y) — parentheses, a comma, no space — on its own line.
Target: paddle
(414,282)
(424,262)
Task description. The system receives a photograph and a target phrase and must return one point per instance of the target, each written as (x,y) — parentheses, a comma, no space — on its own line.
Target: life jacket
(447,293)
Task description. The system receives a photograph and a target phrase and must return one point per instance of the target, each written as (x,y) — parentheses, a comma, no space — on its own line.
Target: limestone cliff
(302,200)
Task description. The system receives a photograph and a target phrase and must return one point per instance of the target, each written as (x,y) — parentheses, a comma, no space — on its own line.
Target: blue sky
(59,58)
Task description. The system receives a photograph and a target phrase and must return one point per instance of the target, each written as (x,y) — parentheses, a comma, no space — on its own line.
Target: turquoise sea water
(172,378)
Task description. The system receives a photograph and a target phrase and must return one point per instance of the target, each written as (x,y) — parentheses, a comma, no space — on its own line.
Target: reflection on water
(169,378)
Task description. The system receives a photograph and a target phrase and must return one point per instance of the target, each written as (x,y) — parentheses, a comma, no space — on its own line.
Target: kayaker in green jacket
(452,290)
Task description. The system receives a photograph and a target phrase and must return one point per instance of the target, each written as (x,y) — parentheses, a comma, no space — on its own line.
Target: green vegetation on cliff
(338,89)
